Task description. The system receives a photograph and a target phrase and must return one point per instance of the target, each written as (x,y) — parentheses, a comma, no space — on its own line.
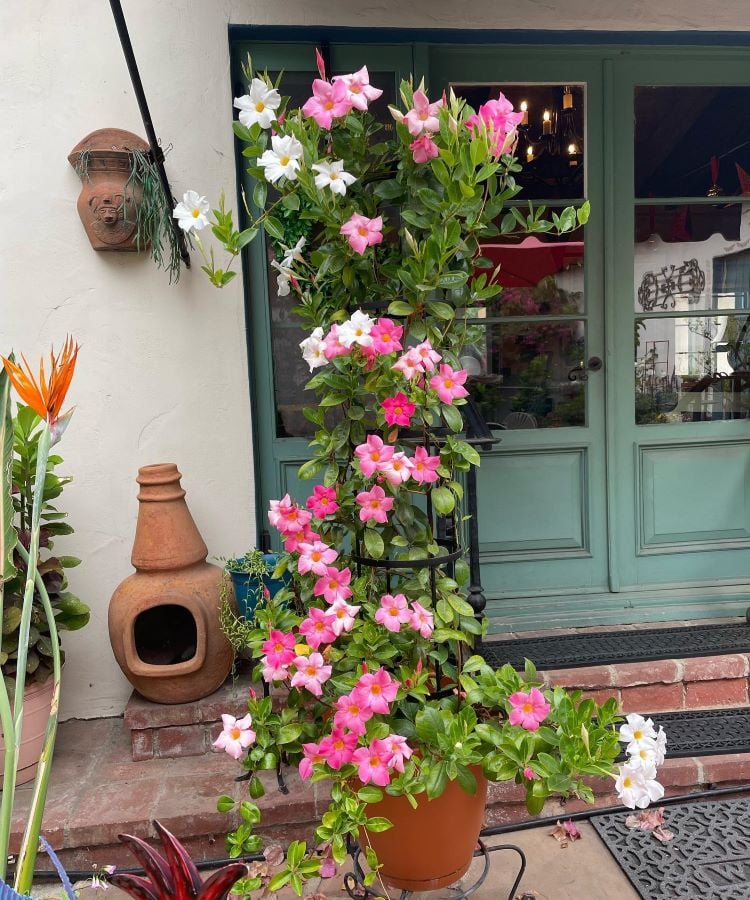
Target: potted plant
(70,612)
(371,643)
(252,577)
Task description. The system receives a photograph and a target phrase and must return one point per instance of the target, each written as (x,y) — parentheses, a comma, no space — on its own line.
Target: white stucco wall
(162,373)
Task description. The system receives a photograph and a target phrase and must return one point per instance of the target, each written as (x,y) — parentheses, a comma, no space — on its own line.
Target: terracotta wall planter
(106,203)
(163,619)
(431,846)
(37,703)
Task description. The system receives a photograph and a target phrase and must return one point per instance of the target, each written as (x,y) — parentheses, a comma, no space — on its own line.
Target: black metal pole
(140,96)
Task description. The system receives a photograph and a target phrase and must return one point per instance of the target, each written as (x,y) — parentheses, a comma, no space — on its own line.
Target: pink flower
(398,469)
(333,345)
(334,585)
(351,714)
(421,620)
(428,356)
(409,365)
(328,868)
(376,690)
(271,672)
(287,516)
(236,735)
(362,232)
(398,410)
(359,89)
(424,467)
(424,115)
(313,757)
(343,616)
(424,148)
(373,455)
(386,336)
(337,748)
(498,117)
(449,384)
(311,673)
(279,648)
(394,750)
(393,612)
(322,502)
(317,628)
(529,710)
(375,505)
(529,774)
(371,765)
(328,102)
(315,557)
(293,541)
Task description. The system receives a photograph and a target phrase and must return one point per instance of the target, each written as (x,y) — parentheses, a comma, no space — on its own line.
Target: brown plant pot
(37,703)
(431,846)
(164,619)
(107,203)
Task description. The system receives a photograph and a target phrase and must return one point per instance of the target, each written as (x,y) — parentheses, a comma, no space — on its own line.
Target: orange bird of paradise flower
(47,395)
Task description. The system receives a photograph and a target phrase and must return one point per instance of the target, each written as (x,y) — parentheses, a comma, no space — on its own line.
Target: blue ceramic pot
(247,590)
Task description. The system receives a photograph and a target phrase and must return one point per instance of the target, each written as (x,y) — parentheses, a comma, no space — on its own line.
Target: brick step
(97,791)
(664,685)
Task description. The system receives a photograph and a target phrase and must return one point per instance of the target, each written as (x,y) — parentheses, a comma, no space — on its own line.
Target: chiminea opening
(165,635)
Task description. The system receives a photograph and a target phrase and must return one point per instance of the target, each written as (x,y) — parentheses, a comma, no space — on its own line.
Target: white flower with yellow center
(356,330)
(282,160)
(258,105)
(192,213)
(313,349)
(637,732)
(636,786)
(332,175)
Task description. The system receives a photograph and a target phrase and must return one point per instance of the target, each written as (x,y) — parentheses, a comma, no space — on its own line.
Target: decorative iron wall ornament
(660,289)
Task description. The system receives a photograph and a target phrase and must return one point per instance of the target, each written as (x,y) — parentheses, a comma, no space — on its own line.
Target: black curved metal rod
(156,152)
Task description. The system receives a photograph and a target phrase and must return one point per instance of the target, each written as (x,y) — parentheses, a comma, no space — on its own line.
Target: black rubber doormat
(702,732)
(708,858)
(600,648)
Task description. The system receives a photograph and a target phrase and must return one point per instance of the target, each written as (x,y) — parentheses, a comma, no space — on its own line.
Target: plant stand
(355,886)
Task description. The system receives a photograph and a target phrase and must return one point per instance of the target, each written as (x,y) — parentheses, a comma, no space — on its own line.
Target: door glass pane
(692,141)
(692,368)
(551,138)
(541,275)
(531,374)
(692,257)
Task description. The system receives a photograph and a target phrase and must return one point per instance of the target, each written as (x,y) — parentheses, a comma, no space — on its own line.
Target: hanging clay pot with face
(164,619)
(108,200)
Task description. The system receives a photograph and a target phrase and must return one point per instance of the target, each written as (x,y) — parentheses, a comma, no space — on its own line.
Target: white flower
(332,175)
(282,161)
(644,756)
(191,214)
(283,279)
(637,732)
(660,747)
(293,254)
(637,786)
(313,349)
(356,330)
(236,736)
(258,104)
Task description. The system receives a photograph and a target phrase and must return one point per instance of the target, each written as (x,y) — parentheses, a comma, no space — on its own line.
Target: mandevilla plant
(381,692)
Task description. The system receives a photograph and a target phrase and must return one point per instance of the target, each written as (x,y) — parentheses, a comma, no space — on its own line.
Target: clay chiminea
(109,198)
(164,619)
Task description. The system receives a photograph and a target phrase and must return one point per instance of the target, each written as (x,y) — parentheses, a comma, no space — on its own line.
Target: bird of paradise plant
(46,395)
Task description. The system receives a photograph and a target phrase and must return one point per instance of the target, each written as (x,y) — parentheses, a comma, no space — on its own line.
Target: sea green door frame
(618,574)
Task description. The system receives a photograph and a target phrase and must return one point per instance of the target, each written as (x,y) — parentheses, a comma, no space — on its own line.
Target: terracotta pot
(164,619)
(107,203)
(431,846)
(37,703)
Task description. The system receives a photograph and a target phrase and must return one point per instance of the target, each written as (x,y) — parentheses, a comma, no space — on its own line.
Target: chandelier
(551,131)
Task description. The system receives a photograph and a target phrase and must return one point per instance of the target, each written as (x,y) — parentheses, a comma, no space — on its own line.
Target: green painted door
(542,490)
(680,335)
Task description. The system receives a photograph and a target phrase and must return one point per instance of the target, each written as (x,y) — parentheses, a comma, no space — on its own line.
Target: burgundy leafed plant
(173,876)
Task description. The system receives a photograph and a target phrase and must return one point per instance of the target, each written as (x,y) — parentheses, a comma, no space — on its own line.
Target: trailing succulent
(70,612)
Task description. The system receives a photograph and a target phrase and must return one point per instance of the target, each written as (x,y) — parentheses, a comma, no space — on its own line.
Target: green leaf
(429,724)
(443,500)
(452,279)
(279,881)
(274,228)
(370,794)
(225,804)
(288,733)
(453,418)
(378,823)
(583,213)
(295,853)
(11,619)
(399,308)
(309,469)
(374,543)
(8,535)
(441,310)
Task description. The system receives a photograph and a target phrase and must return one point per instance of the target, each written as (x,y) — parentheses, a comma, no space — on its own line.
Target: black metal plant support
(156,152)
